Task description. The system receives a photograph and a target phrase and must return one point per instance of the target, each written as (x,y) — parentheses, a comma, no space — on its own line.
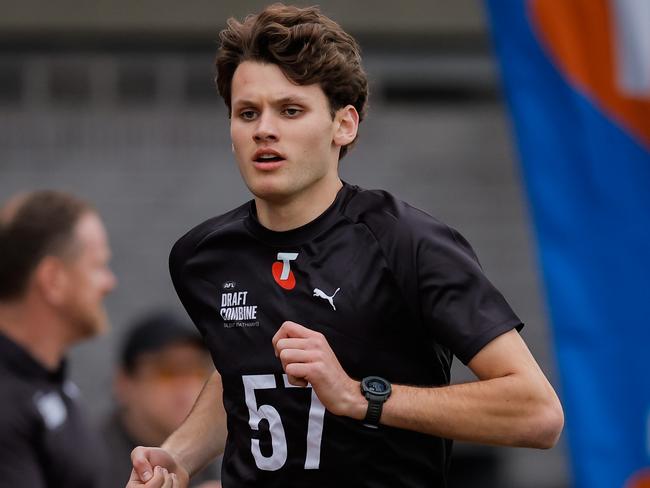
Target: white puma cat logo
(321,294)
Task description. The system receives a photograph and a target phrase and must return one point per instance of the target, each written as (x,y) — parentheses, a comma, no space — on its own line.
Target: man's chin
(267,185)
(270,193)
(102,324)
(95,325)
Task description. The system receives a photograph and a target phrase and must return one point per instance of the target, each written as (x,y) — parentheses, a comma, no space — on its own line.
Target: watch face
(376,385)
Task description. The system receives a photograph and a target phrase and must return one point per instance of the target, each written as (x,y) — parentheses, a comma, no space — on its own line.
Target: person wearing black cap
(162,367)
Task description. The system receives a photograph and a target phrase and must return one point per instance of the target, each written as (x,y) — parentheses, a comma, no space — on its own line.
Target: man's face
(89,278)
(282,133)
(165,383)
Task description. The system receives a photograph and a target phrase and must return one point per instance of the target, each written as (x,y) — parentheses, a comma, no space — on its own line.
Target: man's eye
(292,111)
(248,114)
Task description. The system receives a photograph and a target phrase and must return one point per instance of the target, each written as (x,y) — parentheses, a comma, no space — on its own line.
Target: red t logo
(282,273)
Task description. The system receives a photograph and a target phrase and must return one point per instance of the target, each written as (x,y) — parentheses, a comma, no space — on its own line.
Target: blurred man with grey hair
(54,273)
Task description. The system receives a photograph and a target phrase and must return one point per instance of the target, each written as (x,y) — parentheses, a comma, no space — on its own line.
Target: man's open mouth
(271,158)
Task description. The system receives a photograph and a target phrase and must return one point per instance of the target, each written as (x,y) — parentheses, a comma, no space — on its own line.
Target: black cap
(154,331)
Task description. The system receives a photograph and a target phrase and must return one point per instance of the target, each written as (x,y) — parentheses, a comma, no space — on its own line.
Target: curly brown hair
(305,44)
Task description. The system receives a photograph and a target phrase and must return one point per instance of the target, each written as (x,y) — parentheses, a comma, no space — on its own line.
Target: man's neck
(299,210)
(33,332)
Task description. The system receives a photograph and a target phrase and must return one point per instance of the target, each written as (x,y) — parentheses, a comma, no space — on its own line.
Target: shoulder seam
(216,230)
(386,260)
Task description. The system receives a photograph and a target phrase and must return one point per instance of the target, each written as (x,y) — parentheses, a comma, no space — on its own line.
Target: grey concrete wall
(169,16)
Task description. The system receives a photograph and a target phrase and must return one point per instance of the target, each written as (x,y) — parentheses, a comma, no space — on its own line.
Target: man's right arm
(200,439)
(19,465)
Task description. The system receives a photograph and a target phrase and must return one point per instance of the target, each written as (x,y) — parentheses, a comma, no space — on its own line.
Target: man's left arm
(511,403)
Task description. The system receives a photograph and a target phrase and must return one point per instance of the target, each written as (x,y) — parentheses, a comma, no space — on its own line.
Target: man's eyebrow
(291,99)
(287,99)
(242,102)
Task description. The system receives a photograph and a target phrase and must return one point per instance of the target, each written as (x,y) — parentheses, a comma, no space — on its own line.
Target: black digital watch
(376,390)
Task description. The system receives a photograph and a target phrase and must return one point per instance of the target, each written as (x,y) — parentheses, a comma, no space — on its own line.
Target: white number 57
(278,438)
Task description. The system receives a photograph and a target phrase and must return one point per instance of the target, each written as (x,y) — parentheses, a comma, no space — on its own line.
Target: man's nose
(266,128)
(111,281)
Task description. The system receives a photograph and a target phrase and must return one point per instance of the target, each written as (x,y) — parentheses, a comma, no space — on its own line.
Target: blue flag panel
(576,75)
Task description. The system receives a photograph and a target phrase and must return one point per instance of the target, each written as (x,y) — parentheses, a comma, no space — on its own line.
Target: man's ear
(122,387)
(347,125)
(51,277)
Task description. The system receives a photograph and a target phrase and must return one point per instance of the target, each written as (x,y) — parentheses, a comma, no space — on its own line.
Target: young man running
(332,312)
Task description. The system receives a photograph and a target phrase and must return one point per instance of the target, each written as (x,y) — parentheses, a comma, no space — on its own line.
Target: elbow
(555,426)
(546,426)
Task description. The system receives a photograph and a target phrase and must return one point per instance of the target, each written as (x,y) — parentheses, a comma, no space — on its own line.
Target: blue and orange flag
(576,74)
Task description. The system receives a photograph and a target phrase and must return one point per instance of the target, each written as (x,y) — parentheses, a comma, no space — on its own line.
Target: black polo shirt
(44,441)
(396,293)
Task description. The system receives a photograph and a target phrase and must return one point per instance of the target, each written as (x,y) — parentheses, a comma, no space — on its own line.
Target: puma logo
(321,294)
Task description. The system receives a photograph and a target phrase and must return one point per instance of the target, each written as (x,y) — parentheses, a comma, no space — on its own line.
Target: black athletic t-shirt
(44,441)
(394,291)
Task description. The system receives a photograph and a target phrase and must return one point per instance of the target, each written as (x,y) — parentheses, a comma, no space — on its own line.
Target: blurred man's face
(89,279)
(164,385)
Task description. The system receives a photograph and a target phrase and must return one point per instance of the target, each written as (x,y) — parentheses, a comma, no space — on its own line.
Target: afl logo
(641,479)
(281,270)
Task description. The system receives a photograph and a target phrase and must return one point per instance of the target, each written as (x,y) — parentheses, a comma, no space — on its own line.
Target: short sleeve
(187,268)
(462,308)
(438,274)
(184,283)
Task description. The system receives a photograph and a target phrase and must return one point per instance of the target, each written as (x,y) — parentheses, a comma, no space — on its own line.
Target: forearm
(503,411)
(498,411)
(512,404)
(202,435)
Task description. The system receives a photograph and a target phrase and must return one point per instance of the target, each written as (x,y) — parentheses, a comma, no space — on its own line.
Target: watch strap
(373,414)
